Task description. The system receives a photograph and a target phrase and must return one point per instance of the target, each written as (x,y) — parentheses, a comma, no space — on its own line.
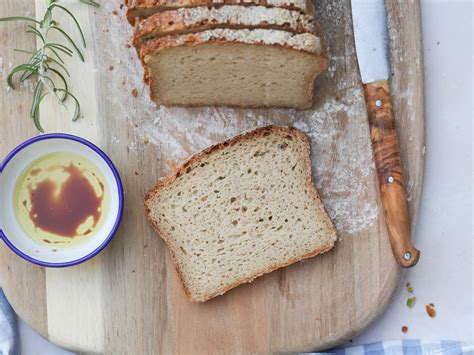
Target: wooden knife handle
(389,170)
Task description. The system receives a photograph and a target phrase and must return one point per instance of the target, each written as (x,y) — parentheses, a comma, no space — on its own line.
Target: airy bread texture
(241,68)
(139,9)
(240,209)
(198,19)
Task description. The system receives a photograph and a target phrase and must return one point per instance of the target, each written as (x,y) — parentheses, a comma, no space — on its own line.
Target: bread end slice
(240,209)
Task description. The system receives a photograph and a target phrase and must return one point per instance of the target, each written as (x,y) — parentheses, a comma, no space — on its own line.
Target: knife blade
(372,48)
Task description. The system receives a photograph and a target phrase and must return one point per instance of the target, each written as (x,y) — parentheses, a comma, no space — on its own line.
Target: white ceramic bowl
(10,171)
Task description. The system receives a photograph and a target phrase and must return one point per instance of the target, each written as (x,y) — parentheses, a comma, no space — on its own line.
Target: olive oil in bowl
(61,200)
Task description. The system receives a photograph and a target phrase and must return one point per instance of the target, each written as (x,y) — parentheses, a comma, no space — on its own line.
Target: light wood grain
(129,299)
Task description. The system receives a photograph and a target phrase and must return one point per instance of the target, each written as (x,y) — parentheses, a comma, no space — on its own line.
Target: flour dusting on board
(337,127)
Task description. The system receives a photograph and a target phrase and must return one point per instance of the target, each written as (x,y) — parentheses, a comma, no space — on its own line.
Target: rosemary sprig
(46,65)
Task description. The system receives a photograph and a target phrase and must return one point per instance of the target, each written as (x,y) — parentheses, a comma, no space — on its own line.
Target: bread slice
(241,68)
(139,9)
(198,19)
(240,209)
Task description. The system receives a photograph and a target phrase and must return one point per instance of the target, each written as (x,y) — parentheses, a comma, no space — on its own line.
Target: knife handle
(389,171)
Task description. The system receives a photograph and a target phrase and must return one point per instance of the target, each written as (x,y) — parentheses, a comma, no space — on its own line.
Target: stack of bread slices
(241,53)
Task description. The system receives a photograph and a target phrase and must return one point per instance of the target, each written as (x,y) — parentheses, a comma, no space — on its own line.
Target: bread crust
(194,159)
(198,19)
(306,42)
(139,9)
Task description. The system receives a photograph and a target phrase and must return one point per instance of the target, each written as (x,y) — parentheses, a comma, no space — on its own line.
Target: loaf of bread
(139,9)
(240,209)
(198,19)
(240,68)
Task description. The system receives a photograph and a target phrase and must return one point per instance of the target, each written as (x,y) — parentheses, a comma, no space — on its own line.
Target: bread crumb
(430,310)
(136,173)
(404,329)
(115,12)
(134,92)
(20,108)
(126,45)
(146,140)
(111,67)
(409,287)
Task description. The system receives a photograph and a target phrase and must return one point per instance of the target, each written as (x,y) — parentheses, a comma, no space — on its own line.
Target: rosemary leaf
(59,64)
(18,69)
(90,2)
(75,21)
(34,31)
(19,18)
(59,47)
(36,113)
(62,79)
(69,39)
(36,96)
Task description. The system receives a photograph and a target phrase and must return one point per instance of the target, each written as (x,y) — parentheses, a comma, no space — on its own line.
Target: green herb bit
(411,302)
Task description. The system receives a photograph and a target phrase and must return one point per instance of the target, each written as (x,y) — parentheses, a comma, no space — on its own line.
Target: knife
(371,41)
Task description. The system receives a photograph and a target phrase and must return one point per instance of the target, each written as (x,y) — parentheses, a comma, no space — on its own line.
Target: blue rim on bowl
(120,197)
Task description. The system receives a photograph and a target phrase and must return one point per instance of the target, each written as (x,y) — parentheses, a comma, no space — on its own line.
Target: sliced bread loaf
(241,68)
(144,8)
(240,209)
(198,19)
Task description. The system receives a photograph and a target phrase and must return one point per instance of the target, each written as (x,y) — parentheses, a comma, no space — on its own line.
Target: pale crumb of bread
(240,209)
(241,68)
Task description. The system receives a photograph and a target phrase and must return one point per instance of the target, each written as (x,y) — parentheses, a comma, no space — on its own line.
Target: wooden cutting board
(129,299)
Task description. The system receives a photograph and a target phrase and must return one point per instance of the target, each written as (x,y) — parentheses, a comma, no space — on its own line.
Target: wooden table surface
(129,299)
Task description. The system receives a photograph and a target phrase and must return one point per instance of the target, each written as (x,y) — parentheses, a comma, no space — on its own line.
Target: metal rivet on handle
(407,255)
(378,103)
(390,179)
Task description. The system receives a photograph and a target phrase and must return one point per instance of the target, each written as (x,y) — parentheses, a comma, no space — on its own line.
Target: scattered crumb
(404,329)
(146,140)
(136,173)
(316,318)
(126,45)
(54,250)
(438,43)
(115,12)
(136,125)
(111,67)
(20,108)
(409,287)
(123,82)
(133,270)
(145,245)
(338,98)
(411,302)
(430,310)
(121,6)
(134,92)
